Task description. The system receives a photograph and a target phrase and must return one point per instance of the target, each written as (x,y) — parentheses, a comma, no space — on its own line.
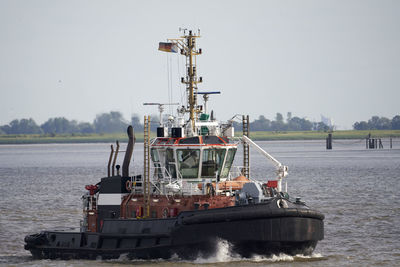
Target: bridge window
(212,162)
(211,139)
(189,140)
(156,161)
(164,161)
(228,162)
(154,155)
(188,162)
(170,163)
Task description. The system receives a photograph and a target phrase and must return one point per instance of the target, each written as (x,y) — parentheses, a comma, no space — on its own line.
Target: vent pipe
(128,152)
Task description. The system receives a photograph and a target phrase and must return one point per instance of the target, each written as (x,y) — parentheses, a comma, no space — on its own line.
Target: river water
(356,189)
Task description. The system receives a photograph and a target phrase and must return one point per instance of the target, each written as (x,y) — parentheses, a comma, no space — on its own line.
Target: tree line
(378,123)
(114,122)
(279,124)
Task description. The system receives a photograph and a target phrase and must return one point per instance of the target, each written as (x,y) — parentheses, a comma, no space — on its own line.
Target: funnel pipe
(129,151)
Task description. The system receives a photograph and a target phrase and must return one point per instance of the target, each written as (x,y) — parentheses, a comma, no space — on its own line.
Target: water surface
(356,189)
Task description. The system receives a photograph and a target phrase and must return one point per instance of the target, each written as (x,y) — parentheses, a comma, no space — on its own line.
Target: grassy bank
(122,137)
(66,138)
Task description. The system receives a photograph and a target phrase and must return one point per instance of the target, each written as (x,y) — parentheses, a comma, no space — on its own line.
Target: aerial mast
(191,79)
(187,46)
(160,108)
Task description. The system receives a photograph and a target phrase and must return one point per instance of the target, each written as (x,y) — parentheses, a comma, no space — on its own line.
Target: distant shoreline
(256,135)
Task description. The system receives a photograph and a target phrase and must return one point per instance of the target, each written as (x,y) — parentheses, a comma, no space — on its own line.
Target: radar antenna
(205,97)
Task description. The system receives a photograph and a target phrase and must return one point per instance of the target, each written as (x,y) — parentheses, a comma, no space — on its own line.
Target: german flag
(168,47)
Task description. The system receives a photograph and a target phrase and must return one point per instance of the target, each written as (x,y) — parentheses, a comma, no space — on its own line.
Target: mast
(191,81)
(187,46)
(191,73)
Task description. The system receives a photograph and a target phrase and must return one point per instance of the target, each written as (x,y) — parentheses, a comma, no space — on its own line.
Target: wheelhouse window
(170,162)
(156,161)
(164,161)
(228,162)
(154,155)
(211,139)
(188,162)
(212,161)
(189,140)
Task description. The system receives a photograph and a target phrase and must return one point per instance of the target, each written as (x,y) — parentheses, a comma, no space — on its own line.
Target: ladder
(246,148)
(137,185)
(146,166)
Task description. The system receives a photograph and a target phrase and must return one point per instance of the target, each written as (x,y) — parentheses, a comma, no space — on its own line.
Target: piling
(371,143)
(329,141)
(375,143)
(380,143)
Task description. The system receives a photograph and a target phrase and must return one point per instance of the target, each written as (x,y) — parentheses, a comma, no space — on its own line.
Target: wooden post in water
(372,143)
(329,141)
(368,141)
(390,142)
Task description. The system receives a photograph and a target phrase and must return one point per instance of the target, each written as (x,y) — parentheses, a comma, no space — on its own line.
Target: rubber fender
(249,214)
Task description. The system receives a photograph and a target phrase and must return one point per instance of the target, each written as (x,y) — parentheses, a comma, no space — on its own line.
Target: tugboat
(189,195)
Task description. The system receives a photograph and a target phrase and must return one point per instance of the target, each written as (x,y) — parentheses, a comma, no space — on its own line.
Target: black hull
(189,252)
(258,229)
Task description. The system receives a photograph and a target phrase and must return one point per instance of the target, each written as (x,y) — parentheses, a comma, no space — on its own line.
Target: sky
(76,59)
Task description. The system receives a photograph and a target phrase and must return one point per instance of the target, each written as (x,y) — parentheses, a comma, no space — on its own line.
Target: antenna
(187,46)
(160,108)
(205,97)
(183,29)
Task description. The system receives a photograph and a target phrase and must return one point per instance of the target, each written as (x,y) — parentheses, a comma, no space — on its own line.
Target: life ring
(128,185)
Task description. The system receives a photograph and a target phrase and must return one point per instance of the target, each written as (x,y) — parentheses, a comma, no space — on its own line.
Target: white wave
(312,256)
(224,253)
(285,258)
(272,258)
